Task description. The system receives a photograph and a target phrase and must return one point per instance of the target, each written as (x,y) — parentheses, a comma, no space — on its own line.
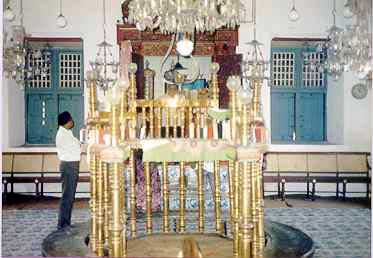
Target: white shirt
(68,147)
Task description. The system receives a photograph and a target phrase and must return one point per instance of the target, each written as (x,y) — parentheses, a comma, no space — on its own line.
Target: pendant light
(61,20)
(293,14)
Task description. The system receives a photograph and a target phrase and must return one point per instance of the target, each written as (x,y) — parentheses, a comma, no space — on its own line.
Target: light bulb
(61,21)
(245,95)
(347,12)
(9,15)
(293,14)
(184,47)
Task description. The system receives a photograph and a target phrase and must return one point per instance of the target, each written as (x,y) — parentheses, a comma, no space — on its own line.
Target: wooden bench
(314,168)
(35,168)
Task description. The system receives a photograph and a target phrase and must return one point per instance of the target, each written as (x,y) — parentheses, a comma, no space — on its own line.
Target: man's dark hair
(64,118)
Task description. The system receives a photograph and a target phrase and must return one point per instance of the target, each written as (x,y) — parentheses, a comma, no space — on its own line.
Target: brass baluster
(159,123)
(182,122)
(149,226)
(191,125)
(198,125)
(105,175)
(116,228)
(132,169)
(143,110)
(165,184)
(151,129)
(167,110)
(260,209)
(201,197)
(218,225)
(182,198)
(231,193)
(175,121)
(236,203)
(92,202)
(100,209)
(246,224)
(253,209)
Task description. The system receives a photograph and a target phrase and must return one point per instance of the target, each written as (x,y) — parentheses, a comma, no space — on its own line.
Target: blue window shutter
(310,116)
(41,119)
(282,116)
(72,103)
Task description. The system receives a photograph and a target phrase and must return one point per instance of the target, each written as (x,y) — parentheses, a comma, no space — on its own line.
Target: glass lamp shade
(234,83)
(122,83)
(245,96)
(347,12)
(8,14)
(215,68)
(293,14)
(184,47)
(61,21)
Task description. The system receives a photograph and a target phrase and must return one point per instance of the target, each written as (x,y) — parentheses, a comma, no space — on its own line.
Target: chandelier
(105,69)
(350,49)
(172,16)
(14,55)
(253,66)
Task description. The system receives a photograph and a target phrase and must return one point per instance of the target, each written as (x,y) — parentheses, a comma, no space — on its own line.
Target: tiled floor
(339,229)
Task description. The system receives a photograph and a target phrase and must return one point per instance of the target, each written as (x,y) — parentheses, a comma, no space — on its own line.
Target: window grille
(283,68)
(70,70)
(40,69)
(313,76)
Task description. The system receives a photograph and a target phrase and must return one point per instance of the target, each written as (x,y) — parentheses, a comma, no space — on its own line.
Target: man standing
(68,151)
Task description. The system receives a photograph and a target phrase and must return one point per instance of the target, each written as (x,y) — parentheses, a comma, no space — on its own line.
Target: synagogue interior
(205,128)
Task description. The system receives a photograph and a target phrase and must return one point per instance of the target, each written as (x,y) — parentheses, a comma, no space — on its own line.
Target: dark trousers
(69,177)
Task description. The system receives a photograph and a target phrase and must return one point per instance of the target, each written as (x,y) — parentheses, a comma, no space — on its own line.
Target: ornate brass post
(167,110)
(182,122)
(246,225)
(236,203)
(218,225)
(107,213)
(143,112)
(148,186)
(182,198)
(151,118)
(114,125)
(201,197)
(175,122)
(116,228)
(255,242)
(215,84)
(244,125)
(92,98)
(93,202)
(100,209)
(231,193)
(260,209)
(198,125)
(132,169)
(159,123)
(256,98)
(190,121)
(165,183)
(132,97)
(234,115)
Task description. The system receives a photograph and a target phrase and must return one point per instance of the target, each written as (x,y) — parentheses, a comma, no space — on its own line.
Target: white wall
(348,120)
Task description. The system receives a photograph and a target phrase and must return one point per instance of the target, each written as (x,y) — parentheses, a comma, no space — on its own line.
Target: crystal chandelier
(253,66)
(350,49)
(105,68)
(172,16)
(14,55)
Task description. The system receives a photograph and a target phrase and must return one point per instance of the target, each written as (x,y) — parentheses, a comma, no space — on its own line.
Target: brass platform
(282,241)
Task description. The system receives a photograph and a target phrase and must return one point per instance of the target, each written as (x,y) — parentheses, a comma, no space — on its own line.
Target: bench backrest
(317,162)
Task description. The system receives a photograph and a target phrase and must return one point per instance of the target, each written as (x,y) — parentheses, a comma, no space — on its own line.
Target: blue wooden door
(41,119)
(282,116)
(73,103)
(310,116)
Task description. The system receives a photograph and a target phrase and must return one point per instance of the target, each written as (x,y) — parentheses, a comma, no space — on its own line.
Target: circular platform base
(282,241)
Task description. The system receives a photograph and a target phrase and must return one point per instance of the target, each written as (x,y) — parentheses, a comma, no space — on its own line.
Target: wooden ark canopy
(220,46)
